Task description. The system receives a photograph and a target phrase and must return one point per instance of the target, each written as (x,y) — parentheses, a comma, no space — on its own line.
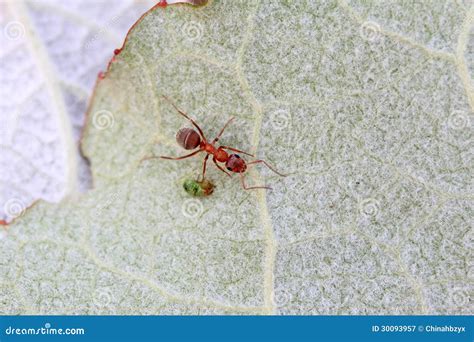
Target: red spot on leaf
(101,75)
(162,3)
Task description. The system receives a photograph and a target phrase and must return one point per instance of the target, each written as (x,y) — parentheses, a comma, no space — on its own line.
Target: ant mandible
(189,139)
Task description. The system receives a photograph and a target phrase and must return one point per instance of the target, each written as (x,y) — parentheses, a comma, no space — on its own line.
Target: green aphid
(198,188)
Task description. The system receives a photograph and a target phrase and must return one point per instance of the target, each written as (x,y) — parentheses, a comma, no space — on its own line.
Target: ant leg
(222,130)
(204,167)
(220,168)
(186,116)
(236,150)
(267,165)
(242,180)
(174,158)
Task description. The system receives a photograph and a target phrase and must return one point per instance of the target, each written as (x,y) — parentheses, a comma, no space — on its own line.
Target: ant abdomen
(188,138)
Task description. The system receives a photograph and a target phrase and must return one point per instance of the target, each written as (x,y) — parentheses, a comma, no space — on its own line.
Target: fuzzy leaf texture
(368,107)
(51,52)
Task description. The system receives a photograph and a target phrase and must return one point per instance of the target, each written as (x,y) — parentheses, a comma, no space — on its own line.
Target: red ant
(189,139)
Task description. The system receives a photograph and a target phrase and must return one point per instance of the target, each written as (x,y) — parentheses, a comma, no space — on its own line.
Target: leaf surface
(51,52)
(369,111)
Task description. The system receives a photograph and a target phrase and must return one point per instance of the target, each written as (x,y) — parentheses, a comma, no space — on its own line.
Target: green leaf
(366,106)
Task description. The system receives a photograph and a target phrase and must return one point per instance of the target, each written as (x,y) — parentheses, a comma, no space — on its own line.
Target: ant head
(236,164)
(188,138)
